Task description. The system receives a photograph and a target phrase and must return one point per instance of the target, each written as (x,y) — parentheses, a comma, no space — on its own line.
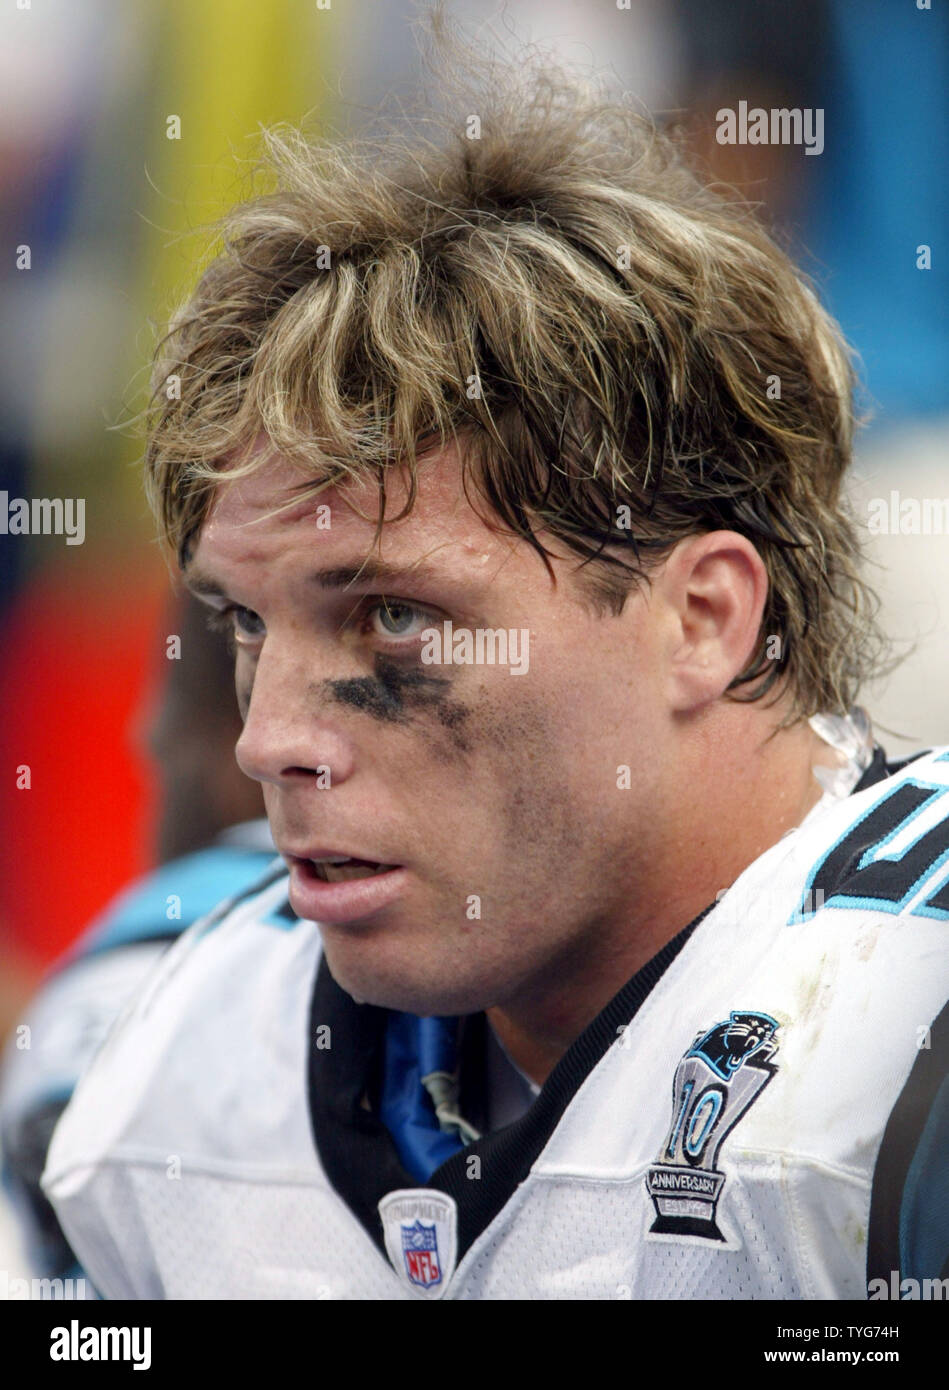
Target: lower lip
(315,900)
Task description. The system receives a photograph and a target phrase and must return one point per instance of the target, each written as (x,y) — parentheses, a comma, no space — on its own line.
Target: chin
(408,989)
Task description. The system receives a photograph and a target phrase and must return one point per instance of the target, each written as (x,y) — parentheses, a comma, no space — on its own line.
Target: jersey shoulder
(885,849)
(203,1027)
(84,993)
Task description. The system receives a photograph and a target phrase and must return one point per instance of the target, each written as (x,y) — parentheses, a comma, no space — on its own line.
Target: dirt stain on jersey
(814,994)
(867,940)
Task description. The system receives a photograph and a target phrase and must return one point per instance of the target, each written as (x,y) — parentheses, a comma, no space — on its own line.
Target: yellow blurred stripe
(225,67)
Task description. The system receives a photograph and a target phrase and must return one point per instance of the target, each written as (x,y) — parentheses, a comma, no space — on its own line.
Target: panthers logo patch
(722,1074)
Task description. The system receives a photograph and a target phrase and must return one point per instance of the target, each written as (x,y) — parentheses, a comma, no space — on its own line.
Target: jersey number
(858,872)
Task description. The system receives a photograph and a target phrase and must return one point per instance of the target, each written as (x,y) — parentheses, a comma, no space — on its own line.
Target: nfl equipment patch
(420,1227)
(722,1074)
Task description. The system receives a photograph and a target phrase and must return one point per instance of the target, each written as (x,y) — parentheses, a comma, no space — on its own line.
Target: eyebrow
(368,571)
(371,571)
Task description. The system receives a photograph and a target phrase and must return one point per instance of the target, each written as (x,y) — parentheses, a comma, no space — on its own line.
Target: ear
(714,589)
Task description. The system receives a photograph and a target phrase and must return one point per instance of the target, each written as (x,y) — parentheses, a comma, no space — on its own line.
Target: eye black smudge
(387,694)
(396,696)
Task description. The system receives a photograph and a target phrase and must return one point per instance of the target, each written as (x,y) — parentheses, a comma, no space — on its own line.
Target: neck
(728,812)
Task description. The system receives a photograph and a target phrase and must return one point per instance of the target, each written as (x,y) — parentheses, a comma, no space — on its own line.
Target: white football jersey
(759,1113)
(79,1001)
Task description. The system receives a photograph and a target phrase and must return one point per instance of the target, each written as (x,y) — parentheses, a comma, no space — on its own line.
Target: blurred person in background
(211,841)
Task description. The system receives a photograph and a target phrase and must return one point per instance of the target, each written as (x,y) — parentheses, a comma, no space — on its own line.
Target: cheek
(555,750)
(527,756)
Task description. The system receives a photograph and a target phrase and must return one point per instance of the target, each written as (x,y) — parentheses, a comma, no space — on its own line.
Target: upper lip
(323,853)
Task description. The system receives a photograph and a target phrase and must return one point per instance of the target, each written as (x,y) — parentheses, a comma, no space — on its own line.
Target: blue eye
(397,619)
(239,624)
(247,622)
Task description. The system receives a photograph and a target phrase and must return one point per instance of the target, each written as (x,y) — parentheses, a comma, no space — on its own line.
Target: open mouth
(335,889)
(342,869)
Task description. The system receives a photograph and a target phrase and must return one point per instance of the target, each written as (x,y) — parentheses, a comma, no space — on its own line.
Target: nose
(290,733)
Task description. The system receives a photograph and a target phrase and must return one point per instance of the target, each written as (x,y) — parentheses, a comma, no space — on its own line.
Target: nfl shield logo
(421,1227)
(420,1248)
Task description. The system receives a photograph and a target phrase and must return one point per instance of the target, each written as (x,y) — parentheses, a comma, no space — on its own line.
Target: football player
(606,956)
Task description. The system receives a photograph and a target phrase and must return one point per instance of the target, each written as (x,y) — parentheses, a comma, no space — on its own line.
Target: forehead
(257,518)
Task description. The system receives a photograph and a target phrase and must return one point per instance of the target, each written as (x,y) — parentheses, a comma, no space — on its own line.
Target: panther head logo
(729,1045)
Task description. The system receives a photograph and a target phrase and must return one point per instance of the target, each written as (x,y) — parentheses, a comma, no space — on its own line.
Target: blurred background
(100,229)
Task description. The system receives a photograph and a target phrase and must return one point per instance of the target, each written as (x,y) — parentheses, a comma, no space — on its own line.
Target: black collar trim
(356,1149)
(879,769)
